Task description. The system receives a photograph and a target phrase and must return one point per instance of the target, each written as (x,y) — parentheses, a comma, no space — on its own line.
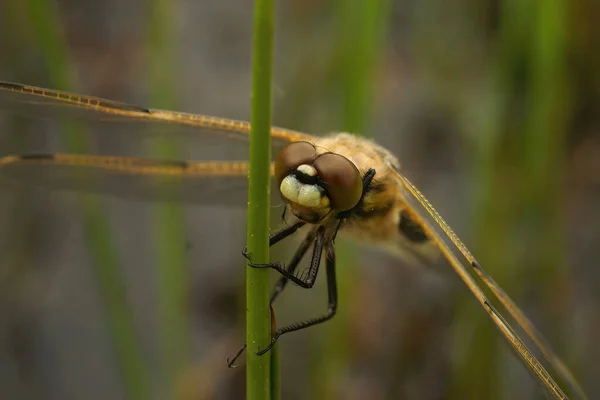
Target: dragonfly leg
(231,361)
(369,175)
(291,268)
(332,302)
(307,278)
(275,238)
(288,273)
(307,282)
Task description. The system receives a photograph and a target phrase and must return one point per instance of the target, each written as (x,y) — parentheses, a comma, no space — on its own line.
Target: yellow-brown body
(376,219)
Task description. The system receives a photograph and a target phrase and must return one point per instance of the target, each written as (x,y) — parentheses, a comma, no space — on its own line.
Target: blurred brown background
(493,108)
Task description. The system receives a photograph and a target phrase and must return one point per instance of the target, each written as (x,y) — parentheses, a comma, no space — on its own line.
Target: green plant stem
(103,255)
(531,46)
(258,317)
(360,30)
(172,274)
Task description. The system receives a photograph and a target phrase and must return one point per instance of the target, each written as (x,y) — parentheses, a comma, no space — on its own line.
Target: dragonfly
(335,183)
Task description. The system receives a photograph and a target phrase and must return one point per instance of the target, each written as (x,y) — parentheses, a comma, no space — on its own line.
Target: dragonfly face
(338,182)
(321,182)
(317,183)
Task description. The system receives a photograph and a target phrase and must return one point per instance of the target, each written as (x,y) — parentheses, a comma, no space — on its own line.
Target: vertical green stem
(361,29)
(545,141)
(361,26)
(529,77)
(172,273)
(103,255)
(258,317)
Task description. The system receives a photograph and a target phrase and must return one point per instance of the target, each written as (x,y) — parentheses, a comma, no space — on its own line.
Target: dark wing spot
(36,157)
(174,163)
(411,229)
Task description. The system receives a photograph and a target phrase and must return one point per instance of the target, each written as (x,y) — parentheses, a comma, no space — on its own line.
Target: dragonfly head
(316,184)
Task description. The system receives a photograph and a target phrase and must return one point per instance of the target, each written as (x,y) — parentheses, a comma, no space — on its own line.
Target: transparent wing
(215,182)
(46,104)
(530,361)
(38,127)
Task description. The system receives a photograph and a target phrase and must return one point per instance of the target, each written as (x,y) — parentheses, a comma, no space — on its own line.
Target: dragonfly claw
(231,362)
(245,253)
(250,263)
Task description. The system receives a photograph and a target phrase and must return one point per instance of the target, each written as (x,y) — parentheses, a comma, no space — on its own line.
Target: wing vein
(520,348)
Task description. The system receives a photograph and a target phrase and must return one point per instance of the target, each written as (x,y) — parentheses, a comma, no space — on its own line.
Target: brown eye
(344,184)
(292,156)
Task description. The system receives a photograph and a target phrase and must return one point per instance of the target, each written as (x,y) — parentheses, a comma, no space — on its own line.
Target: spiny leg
(367,179)
(312,273)
(332,301)
(291,268)
(305,280)
(285,232)
(288,274)
(276,237)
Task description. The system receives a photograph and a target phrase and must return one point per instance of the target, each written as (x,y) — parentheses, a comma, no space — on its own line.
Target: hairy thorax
(383,211)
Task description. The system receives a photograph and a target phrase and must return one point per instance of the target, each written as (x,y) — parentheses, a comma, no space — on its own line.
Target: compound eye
(292,156)
(344,184)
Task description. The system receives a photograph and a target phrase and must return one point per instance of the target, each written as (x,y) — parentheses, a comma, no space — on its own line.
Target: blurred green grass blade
(549,101)
(132,365)
(107,268)
(172,275)
(360,30)
(478,373)
(546,143)
(529,75)
(275,373)
(258,317)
